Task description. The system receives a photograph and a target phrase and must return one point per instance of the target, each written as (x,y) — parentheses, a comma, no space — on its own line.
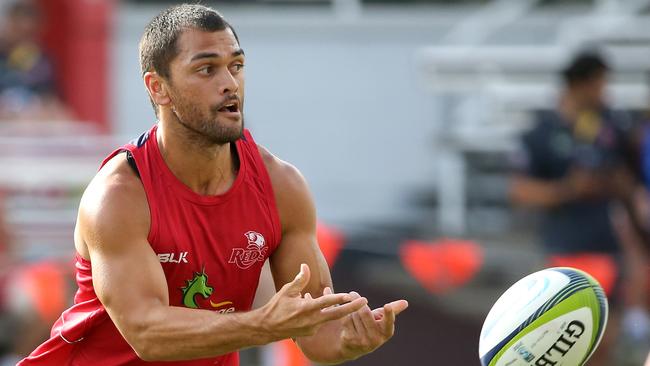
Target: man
(572,167)
(27,90)
(172,234)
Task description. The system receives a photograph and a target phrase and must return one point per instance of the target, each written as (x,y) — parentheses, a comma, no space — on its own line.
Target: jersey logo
(255,251)
(171,257)
(199,286)
(196,286)
(255,238)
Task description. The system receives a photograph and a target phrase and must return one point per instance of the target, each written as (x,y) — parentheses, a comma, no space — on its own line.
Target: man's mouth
(231,107)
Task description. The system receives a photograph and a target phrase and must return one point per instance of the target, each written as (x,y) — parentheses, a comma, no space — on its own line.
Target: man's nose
(227,83)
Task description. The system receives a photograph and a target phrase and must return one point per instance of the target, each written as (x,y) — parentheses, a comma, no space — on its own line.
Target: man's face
(206,85)
(23,24)
(593,91)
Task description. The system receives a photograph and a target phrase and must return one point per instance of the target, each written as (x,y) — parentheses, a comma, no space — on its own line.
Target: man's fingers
(378,313)
(398,306)
(328,299)
(331,300)
(388,321)
(368,319)
(337,312)
(358,324)
(295,287)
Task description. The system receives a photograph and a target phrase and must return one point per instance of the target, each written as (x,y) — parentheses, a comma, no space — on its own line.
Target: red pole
(77,34)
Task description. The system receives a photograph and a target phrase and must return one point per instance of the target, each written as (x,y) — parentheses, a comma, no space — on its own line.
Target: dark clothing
(645,154)
(549,151)
(25,74)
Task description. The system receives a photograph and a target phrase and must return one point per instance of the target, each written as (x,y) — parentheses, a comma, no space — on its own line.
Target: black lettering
(543,361)
(573,328)
(556,346)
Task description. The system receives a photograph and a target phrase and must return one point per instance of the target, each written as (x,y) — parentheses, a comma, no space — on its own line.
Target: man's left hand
(366,330)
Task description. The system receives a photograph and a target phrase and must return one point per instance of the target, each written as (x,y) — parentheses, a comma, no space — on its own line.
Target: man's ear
(157,88)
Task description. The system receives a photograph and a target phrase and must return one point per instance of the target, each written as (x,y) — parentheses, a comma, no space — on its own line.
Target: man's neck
(569,107)
(207,169)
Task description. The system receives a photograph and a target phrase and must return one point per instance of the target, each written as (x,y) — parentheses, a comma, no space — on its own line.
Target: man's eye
(205,70)
(238,67)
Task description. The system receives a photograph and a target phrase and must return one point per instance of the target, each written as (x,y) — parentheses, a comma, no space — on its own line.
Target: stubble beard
(206,128)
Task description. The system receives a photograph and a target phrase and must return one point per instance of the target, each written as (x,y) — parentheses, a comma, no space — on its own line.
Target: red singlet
(211,249)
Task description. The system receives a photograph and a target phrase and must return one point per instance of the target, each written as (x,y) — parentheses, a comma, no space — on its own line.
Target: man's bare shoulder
(116,183)
(292,196)
(113,203)
(285,177)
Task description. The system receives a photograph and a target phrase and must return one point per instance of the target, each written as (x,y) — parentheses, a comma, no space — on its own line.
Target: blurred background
(422,126)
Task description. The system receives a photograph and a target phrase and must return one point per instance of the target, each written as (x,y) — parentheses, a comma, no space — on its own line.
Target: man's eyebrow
(201,55)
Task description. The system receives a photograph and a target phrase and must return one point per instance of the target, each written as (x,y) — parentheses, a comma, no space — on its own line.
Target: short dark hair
(158,43)
(585,66)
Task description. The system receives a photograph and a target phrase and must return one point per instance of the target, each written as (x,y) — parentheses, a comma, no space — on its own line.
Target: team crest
(196,286)
(255,238)
(199,286)
(255,251)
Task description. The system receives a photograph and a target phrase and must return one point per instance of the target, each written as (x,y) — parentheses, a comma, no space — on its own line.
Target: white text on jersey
(171,258)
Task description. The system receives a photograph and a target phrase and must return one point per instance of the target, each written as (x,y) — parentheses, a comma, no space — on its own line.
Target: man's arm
(530,184)
(112,230)
(526,190)
(347,338)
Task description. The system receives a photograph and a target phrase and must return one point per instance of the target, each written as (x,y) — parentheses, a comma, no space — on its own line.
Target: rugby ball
(554,317)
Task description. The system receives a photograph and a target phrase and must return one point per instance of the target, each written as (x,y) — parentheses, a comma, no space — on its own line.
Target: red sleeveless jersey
(211,249)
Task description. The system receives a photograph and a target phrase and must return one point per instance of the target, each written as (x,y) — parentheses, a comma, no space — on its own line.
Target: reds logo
(255,251)
(255,238)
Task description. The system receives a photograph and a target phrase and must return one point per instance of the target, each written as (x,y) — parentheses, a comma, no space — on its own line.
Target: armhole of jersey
(131,160)
(134,165)
(270,192)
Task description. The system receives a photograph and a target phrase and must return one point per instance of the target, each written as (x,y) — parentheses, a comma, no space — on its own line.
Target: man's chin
(227,135)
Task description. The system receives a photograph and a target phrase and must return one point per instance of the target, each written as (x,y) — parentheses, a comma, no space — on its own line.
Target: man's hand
(289,315)
(366,330)
(583,184)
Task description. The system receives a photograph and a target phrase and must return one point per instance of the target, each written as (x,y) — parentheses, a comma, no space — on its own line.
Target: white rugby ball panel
(529,310)
(517,305)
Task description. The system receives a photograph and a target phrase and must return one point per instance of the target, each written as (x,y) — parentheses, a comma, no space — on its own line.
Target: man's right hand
(581,183)
(289,314)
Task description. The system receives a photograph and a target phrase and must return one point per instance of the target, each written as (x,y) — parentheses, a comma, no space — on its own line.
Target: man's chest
(214,263)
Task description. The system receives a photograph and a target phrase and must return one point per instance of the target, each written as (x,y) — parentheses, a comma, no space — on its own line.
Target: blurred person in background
(573,168)
(173,230)
(27,88)
(633,227)
(30,293)
(5,238)
(640,325)
(7,323)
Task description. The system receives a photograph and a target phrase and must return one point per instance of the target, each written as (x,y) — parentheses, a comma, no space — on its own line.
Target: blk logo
(173,257)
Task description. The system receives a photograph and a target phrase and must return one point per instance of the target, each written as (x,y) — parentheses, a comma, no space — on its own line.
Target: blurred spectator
(27,93)
(5,239)
(27,90)
(643,141)
(7,322)
(637,319)
(573,168)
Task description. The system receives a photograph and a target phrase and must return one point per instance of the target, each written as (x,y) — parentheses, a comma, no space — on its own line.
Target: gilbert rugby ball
(554,317)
